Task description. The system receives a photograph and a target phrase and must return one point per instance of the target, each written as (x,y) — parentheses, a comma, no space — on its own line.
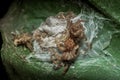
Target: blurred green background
(24,14)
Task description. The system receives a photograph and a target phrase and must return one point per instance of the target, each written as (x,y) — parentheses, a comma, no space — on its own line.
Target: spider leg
(66,68)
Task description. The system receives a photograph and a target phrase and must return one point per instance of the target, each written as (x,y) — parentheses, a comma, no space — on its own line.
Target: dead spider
(23,39)
(68,56)
(69,47)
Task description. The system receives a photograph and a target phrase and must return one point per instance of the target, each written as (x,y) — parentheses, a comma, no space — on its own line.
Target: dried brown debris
(23,39)
(68,48)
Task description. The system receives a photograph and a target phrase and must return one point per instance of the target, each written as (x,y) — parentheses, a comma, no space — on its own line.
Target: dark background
(4,6)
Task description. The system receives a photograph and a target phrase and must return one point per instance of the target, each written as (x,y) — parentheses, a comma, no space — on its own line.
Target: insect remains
(59,37)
